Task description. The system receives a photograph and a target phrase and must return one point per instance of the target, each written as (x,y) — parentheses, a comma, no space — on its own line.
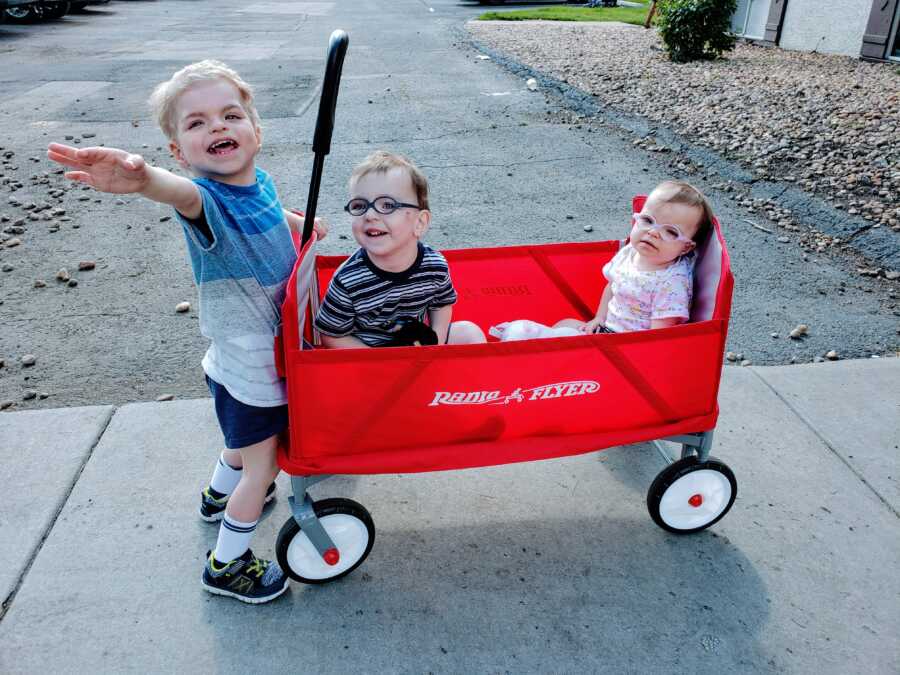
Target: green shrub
(696,29)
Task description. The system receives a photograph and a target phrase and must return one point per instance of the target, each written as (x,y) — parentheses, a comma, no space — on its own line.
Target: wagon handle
(337,49)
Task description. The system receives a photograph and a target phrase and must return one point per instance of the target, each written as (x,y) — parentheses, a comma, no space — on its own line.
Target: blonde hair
(382,161)
(681,192)
(165,96)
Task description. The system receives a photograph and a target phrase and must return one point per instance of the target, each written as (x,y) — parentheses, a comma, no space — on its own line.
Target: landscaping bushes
(696,29)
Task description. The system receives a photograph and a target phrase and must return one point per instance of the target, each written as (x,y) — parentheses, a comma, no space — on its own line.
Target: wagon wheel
(351,529)
(690,495)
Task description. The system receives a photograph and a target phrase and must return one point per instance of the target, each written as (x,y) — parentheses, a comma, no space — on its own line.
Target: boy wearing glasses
(650,279)
(394,282)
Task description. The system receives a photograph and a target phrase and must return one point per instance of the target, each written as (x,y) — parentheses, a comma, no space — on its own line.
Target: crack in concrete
(7,603)
(858,232)
(511,164)
(77,316)
(826,443)
(459,132)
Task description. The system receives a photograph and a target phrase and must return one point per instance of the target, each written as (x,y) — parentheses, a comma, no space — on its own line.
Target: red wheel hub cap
(695,500)
(331,556)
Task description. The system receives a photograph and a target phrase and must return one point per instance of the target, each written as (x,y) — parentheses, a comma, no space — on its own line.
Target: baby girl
(650,279)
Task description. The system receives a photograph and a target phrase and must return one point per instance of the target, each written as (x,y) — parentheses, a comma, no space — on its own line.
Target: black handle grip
(337,49)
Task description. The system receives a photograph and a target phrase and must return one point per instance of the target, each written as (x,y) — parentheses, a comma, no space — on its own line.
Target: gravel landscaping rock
(829,125)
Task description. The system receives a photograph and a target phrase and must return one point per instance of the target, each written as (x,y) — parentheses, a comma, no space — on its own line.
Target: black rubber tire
(677,470)
(22,14)
(51,11)
(323,508)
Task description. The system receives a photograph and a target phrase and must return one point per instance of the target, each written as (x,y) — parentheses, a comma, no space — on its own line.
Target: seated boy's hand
(411,332)
(105,169)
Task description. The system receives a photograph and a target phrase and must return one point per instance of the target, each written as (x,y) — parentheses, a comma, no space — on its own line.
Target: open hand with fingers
(105,169)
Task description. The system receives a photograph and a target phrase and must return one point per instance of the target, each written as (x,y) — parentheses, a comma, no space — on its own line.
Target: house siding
(829,26)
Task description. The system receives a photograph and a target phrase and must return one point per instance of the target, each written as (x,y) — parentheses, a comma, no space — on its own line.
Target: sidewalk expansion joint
(809,425)
(7,603)
(548,160)
(301,111)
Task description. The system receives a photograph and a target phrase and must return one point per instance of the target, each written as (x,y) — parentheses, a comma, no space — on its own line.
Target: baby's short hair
(382,161)
(164,97)
(681,192)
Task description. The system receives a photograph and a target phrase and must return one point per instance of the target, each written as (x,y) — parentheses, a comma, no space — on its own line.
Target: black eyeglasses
(383,205)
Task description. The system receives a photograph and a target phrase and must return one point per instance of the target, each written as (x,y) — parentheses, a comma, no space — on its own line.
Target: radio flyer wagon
(412,409)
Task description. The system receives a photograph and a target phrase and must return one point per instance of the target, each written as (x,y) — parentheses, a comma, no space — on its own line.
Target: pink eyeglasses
(644,221)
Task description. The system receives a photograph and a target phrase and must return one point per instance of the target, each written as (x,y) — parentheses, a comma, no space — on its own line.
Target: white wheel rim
(18,12)
(349,535)
(714,490)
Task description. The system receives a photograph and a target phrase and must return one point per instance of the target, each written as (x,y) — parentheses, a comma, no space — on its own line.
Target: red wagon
(412,409)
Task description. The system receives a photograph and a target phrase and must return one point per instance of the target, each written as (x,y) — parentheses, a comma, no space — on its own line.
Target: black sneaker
(247,578)
(213,509)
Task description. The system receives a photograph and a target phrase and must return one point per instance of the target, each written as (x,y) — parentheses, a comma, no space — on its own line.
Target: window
(893,50)
(749,20)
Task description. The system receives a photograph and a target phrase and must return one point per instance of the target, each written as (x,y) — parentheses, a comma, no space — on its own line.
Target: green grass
(635,15)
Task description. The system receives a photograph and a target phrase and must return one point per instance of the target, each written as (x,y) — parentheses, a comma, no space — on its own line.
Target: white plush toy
(523,329)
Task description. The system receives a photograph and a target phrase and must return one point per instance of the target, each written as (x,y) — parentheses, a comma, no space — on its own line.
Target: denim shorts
(243,424)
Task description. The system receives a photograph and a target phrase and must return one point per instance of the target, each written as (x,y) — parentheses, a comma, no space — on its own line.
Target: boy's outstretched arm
(120,172)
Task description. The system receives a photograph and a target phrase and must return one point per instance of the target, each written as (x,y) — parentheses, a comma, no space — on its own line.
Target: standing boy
(242,253)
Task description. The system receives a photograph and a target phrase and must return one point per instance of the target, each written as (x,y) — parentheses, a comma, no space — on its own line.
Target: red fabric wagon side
(408,409)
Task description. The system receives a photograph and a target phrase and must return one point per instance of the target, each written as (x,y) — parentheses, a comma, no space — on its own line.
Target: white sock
(225,478)
(234,539)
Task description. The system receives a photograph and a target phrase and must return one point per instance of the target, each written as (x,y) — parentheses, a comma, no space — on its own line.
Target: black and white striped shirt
(366,302)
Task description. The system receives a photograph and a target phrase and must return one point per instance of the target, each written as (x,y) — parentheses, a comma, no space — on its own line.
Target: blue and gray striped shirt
(241,273)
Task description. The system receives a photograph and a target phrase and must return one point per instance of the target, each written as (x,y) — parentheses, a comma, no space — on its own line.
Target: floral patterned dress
(639,296)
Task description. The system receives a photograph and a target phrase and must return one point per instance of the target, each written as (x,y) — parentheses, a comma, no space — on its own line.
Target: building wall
(828,26)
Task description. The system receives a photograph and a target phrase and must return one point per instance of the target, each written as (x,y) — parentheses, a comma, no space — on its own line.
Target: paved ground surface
(540,567)
(502,172)
(529,568)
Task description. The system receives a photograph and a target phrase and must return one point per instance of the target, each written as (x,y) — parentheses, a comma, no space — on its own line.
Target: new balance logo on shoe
(247,578)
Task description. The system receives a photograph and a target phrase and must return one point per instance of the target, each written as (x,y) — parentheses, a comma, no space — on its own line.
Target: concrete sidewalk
(539,567)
